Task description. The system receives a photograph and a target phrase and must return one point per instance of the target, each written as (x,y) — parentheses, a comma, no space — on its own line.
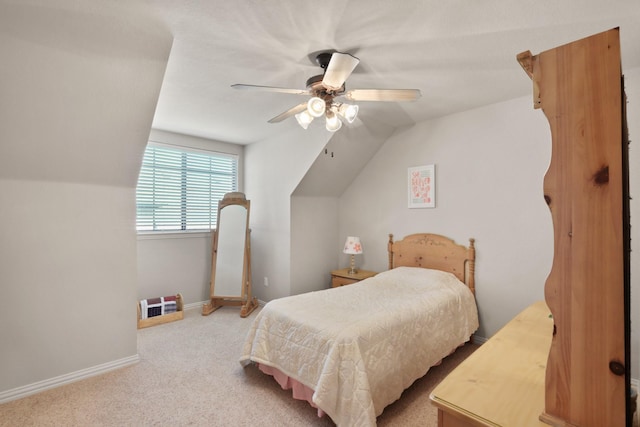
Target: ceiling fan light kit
(333,123)
(324,88)
(304,119)
(316,106)
(348,111)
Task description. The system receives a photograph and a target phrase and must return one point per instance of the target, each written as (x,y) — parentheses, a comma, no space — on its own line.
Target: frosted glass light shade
(304,119)
(349,112)
(316,106)
(333,123)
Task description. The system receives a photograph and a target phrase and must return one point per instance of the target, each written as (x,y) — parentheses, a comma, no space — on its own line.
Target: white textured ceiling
(461,54)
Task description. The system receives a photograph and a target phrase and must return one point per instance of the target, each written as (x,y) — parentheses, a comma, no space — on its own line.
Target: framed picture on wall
(422,187)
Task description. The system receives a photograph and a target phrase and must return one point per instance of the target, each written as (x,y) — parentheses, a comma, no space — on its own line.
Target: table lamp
(352,247)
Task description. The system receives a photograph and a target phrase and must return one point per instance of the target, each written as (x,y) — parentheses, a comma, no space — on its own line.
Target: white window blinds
(179,190)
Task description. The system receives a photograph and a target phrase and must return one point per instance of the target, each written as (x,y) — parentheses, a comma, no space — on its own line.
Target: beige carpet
(189,375)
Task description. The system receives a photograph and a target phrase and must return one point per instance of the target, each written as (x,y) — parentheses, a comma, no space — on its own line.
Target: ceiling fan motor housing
(315,86)
(323,59)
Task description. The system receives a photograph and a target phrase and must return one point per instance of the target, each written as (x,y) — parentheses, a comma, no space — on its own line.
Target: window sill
(156,235)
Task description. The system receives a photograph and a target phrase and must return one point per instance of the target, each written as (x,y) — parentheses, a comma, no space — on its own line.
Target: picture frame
(422,186)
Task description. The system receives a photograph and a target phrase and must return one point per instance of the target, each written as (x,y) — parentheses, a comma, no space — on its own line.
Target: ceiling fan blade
(339,69)
(290,112)
(383,95)
(271,89)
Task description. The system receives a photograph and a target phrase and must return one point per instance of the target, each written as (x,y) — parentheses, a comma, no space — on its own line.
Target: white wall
(170,263)
(69,285)
(174,263)
(80,83)
(314,202)
(314,239)
(632,89)
(274,168)
(490,164)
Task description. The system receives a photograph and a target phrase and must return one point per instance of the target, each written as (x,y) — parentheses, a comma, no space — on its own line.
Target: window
(179,189)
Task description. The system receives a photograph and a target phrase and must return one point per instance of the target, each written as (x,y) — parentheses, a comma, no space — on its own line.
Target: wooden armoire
(580,89)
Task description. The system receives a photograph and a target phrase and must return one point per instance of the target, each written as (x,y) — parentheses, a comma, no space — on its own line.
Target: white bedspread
(359,346)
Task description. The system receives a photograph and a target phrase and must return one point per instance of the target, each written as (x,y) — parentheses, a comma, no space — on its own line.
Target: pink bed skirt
(299,390)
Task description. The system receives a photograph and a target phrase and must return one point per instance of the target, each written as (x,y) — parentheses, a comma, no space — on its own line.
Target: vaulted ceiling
(460,54)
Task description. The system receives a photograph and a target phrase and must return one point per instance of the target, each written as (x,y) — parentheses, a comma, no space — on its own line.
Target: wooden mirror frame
(244,300)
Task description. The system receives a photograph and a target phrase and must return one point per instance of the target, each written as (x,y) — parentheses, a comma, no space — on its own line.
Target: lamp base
(353,269)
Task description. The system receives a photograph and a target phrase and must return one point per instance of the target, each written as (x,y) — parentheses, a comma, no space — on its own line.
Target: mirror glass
(232,225)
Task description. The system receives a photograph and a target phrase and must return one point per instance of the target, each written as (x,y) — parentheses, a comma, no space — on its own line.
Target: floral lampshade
(352,247)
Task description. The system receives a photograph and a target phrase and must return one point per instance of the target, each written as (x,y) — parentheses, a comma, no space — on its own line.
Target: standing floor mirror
(231,257)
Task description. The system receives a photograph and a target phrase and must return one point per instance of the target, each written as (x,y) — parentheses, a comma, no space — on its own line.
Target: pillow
(418,276)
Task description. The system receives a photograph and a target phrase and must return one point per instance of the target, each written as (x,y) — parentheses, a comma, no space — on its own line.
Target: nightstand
(342,277)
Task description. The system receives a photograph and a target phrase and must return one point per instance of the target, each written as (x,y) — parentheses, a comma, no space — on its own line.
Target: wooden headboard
(436,252)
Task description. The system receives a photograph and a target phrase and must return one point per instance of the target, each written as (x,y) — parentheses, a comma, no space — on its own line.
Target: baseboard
(194,305)
(27,390)
(476,339)
(199,305)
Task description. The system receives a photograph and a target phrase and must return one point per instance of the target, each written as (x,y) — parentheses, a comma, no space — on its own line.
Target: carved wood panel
(578,86)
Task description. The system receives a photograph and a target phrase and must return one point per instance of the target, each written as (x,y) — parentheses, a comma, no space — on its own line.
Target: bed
(352,350)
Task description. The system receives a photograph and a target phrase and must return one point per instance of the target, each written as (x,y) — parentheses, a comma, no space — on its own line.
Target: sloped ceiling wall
(63,123)
(344,156)
(79,82)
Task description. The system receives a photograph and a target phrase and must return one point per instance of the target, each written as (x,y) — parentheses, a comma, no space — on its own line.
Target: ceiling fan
(326,87)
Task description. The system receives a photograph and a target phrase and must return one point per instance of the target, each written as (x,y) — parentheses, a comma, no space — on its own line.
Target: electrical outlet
(266,281)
